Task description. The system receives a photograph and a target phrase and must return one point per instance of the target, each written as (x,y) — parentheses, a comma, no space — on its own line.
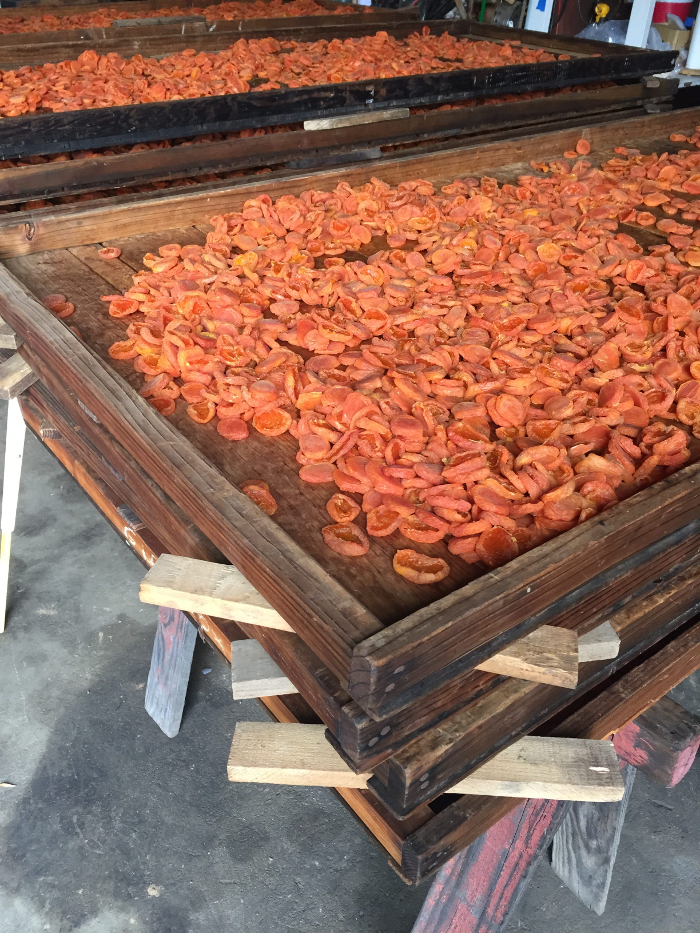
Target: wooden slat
(599,644)
(169,675)
(254,674)
(214,589)
(548,655)
(15,376)
(533,767)
(585,847)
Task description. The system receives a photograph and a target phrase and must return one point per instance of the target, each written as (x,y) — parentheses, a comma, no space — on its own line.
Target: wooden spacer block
(556,769)
(254,674)
(662,742)
(9,340)
(549,655)
(212,589)
(600,644)
(15,376)
(47,432)
(355,119)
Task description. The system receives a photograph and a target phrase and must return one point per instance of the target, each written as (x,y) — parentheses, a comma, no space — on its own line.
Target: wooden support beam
(15,377)
(549,655)
(170,670)
(254,674)
(9,340)
(476,891)
(585,847)
(600,644)
(267,753)
(212,589)
(661,743)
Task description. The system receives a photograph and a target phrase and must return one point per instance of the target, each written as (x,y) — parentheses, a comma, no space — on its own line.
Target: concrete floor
(111,827)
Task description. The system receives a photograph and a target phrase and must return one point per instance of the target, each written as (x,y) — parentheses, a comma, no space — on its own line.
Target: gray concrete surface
(113,828)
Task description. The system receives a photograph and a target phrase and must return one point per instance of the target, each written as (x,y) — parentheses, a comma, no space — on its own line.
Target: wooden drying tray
(304,148)
(587,62)
(477,714)
(418,846)
(151,37)
(360,619)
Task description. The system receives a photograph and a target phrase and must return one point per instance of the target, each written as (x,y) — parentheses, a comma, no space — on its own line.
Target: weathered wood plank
(585,847)
(8,338)
(254,674)
(549,655)
(661,743)
(533,767)
(170,670)
(16,375)
(599,644)
(478,889)
(213,589)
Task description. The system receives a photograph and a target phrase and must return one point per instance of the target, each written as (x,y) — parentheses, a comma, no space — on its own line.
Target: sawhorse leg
(585,847)
(476,891)
(14,451)
(169,675)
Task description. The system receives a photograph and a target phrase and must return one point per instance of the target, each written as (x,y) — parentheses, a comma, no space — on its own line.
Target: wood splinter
(545,768)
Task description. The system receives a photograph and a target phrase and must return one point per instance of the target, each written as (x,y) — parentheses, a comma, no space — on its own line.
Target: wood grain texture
(549,655)
(213,589)
(15,376)
(170,670)
(599,644)
(254,674)
(476,891)
(585,847)
(533,767)
(661,743)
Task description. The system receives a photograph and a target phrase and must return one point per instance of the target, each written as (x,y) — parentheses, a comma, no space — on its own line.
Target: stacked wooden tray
(389,668)
(579,62)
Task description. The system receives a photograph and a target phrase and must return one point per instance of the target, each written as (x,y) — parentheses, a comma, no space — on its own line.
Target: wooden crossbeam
(15,377)
(548,655)
(254,674)
(600,644)
(212,589)
(572,769)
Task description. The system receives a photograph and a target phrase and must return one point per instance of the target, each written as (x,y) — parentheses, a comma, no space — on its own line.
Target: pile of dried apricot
(94,80)
(260,9)
(506,365)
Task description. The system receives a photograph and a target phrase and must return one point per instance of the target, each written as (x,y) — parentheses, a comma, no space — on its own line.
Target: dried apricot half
(346,538)
(420,568)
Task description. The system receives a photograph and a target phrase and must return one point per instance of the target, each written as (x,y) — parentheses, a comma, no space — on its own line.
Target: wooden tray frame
(588,62)
(60,44)
(342,144)
(417,847)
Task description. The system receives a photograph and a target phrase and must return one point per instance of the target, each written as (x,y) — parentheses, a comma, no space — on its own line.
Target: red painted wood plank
(662,742)
(476,891)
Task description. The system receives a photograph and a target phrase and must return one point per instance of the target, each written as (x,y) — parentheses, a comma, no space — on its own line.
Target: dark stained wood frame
(586,62)
(56,179)
(334,625)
